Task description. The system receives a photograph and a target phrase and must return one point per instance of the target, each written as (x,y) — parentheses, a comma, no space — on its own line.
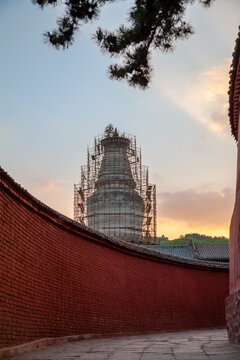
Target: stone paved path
(187,345)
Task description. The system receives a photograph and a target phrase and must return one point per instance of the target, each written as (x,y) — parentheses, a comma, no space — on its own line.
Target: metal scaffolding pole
(121,219)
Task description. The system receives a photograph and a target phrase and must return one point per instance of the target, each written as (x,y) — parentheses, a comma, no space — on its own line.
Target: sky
(53,103)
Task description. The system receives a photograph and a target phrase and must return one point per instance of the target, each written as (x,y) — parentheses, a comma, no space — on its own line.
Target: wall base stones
(233,317)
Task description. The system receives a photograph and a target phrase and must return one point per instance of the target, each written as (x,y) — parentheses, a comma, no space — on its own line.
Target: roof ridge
(233,111)
(16,190)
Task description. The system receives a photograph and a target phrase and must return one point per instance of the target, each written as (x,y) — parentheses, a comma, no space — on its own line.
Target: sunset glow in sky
(53,103)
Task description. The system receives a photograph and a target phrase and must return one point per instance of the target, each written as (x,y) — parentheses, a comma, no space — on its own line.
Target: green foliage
(180,241)
(152,24)
(187,241)
(204,237)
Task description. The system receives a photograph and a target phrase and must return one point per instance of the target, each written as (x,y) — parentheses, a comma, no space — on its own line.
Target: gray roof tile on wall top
(24,195)
(184,251)
(207,252)
(212,251)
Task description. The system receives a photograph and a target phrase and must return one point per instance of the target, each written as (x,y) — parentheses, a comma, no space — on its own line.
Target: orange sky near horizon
(174,229)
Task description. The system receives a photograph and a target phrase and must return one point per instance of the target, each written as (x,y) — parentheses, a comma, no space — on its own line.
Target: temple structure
(115,207)
(233,301)
(115,196)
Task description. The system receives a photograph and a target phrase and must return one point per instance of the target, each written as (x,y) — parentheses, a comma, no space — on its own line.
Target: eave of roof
(234,89)
(201,251)
(215,251)
(183,251)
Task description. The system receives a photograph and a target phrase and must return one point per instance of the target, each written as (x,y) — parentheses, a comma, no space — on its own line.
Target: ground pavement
(187,345)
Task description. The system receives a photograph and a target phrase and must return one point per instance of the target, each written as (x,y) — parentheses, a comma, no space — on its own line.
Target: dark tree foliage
(204,237)
(152,24)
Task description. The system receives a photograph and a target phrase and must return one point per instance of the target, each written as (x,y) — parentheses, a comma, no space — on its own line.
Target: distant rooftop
(212,252)
(208,252)
(184,251)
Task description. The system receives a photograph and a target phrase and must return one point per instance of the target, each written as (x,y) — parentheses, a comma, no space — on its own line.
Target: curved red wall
(58,278)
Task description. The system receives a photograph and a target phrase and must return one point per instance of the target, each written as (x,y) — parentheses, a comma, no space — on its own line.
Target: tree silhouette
(152,24)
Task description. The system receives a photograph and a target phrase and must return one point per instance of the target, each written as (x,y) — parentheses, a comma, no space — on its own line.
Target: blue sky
(53,103)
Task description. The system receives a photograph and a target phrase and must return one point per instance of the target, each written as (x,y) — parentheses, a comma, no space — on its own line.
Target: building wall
(233,301)
(235,233)
(59,278)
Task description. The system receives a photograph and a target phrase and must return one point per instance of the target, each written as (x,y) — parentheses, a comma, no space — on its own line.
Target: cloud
(53,185)
(173,228)
(210,209)
(57,194)
(203,96)
(218,118)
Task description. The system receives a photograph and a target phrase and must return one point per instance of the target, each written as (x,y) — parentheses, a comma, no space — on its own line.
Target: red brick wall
(58,279)
(233,301)
(235,222)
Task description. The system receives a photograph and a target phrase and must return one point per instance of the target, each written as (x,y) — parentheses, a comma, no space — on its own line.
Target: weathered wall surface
(59,278)
(233,301)
(235,233)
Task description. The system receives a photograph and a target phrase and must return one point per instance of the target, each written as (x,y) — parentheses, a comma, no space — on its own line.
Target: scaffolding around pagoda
(89,175)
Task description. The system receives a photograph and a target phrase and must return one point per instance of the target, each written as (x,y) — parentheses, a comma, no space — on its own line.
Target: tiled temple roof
(17,191)
(234,89)
(214,252)
(184,251)
(209,252)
